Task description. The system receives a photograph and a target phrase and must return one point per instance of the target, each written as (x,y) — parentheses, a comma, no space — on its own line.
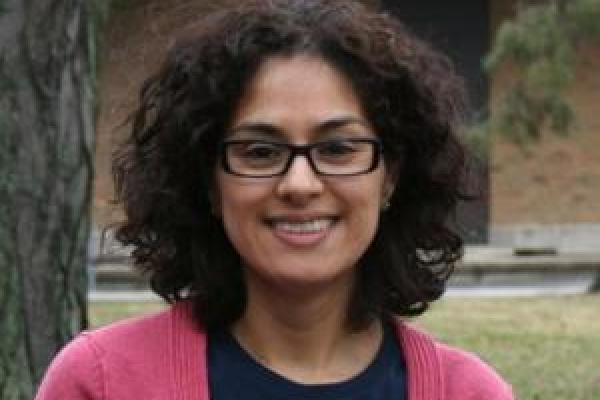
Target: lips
(302,231)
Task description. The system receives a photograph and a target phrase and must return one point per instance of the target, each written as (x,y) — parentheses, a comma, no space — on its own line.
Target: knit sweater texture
(163,357)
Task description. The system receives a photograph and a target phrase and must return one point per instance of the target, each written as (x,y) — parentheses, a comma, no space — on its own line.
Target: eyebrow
(267,129)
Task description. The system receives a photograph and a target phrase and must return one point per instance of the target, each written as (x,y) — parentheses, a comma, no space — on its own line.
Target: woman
(287,183)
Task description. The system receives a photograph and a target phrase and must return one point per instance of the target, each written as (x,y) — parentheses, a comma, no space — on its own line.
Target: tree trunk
(46,169)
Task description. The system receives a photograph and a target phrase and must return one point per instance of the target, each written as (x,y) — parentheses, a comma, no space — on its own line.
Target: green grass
(547,348)
(102,313)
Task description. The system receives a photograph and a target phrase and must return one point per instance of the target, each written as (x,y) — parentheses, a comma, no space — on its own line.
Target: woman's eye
(338,148)
(261,151)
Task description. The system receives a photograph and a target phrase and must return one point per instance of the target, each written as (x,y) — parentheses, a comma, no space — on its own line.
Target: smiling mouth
(306,227)
(300,232)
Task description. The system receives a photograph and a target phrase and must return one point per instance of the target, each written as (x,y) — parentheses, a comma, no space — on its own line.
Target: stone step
(482,266)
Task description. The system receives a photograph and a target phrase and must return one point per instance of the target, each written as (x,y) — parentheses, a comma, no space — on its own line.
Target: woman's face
(300,228)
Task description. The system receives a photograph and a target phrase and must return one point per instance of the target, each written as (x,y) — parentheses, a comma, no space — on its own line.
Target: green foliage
(542,43)
(585,15)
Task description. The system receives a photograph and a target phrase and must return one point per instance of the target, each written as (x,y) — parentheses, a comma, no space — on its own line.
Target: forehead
(297,92)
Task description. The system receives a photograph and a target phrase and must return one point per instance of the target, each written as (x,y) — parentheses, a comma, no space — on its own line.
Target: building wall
(558,182)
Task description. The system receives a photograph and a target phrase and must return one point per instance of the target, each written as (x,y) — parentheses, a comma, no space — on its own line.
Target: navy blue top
(233,375)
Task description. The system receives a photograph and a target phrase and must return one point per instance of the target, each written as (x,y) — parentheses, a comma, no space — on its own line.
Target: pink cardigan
(163,357)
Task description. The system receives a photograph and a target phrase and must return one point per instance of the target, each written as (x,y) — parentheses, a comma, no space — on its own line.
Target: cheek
(367,217)
(364,195)
(240,204)
(235,196)
(363,202)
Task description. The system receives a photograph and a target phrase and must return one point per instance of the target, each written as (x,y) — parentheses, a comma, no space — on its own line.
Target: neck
(304,335)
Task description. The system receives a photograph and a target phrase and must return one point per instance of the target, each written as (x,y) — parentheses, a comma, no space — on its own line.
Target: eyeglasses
(263,159)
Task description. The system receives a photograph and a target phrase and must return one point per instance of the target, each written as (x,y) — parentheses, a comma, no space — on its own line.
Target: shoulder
(123,357)
(467,376)
(75,373)
(462,375)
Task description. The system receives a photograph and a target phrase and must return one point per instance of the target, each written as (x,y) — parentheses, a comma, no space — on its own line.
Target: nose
(300,183)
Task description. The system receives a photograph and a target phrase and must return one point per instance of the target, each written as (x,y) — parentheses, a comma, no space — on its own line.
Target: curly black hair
(165,170)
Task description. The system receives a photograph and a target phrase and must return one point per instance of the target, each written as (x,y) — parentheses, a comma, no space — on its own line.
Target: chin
(305,274)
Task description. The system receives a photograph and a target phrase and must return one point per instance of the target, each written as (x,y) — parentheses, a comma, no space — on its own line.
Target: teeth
(314,225)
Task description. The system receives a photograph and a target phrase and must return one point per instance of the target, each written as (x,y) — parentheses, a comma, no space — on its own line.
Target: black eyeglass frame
(302,150)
